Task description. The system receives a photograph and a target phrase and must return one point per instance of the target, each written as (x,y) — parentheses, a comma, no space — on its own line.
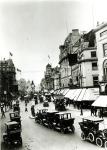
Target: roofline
(100,27)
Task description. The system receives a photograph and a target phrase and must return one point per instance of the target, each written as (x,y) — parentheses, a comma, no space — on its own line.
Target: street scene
(36,136)
(53,75)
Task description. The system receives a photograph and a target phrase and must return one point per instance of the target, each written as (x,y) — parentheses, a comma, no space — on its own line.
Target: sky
(32,30)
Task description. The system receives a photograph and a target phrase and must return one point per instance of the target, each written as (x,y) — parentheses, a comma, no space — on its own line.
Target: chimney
(75,32)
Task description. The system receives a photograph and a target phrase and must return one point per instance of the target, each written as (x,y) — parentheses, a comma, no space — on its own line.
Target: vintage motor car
(64,122)
(60,103)
(49,117)
(93,129)
(48,97)
(16,108)
(12,134)
(15,116)
(40,115)
(45,103)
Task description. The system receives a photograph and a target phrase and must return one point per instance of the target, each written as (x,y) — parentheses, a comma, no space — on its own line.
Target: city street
(38,137)
(53,57)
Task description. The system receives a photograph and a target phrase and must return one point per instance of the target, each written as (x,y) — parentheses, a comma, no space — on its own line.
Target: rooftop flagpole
(10,55)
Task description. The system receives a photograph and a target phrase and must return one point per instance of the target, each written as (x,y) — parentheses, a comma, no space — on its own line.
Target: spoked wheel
(91,137)
(99,142)
(105,145)
(20,141)
(50,126)
(62,130)
(73,129)
(83,136)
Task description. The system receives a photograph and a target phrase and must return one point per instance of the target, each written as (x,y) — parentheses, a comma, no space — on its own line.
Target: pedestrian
(3,112)
(101,113)
(92,111)
(32,110)
(95,111)
(81,110)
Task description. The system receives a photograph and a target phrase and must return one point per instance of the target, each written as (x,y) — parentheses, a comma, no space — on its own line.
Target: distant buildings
(47,83)
(8,83)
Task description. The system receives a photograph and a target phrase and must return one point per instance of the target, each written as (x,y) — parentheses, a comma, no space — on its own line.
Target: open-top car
(64,122)
(12,134)
(93,129)
(15,116)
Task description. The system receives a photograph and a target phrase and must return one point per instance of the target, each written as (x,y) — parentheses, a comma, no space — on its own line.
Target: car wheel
(91,137)
(62,130)
(73,129)
(99,142)
(50,126)
(83,136)
(105,145)
(20,141)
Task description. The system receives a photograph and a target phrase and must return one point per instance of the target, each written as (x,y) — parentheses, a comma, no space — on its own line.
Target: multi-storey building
(101,40)
(65,50)
(85,71)
(8,83)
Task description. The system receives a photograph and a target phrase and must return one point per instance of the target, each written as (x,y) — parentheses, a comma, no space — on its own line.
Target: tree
(22,86)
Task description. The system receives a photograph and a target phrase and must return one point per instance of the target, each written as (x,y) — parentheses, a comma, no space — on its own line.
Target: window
(93,54)
(103,33)
(94,66)
(105,49)
(95,81)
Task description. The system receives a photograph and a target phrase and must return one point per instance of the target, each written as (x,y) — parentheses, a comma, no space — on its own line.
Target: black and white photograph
(53,74)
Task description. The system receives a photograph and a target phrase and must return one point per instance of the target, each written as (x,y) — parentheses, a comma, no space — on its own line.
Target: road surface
(38,137)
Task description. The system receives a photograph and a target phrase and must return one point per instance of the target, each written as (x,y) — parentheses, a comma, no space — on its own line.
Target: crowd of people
(60,105)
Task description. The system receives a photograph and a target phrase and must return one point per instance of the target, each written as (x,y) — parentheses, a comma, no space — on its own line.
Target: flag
(10,54)
(48,56)
(18,70)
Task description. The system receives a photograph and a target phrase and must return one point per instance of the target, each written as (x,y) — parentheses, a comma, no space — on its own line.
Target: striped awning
(101,101)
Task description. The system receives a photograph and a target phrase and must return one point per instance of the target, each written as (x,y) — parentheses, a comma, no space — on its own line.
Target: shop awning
(101,101)
(57,92)
(65,91)
(91,94)
(78,92)
(70,94)
(80,98)
(62,91)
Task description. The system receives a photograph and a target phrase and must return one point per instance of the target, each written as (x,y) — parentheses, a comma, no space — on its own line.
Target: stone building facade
(101,40)
(8,83)
(69,46)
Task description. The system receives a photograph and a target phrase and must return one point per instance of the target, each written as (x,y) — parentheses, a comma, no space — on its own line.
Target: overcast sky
(31,30)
